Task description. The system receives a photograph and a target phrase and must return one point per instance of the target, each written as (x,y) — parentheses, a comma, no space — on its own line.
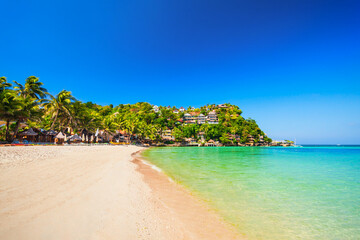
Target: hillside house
(167,135)
(189,118)
(201,119)
(212,118)
(155,108)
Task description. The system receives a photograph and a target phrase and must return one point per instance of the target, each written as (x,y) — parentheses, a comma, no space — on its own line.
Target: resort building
(189,118)
(222,106)
(182,109)
(156,108)
(191,142)
(167,136)
(201,119)
(251,140)
(212,143)
(212,118)
(176,111)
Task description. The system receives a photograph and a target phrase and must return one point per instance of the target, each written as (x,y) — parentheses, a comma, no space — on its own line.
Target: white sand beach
(96,192)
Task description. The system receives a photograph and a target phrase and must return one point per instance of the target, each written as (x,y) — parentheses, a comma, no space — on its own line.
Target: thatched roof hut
(75,138)
(29,132)
(49,136)
(28,135)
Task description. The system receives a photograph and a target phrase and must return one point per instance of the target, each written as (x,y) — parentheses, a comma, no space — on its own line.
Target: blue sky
(294,66)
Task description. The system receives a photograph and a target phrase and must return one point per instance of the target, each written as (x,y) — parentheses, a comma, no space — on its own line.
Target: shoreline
(198,218)
(97,192)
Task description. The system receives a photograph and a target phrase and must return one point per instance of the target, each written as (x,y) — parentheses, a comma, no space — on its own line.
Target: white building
(188,118)
(201,119)
(222,106)
(167,135)
(212,118)
(156,108)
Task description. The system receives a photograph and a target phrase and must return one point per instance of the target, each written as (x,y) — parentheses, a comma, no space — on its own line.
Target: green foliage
(30,103)
(191,130)
(2,133)
(178,134)
(21,103)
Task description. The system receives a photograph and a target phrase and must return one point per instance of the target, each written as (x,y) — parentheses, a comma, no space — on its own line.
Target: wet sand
(96,192)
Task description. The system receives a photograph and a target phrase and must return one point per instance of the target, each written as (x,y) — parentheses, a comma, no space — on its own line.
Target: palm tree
(4,85)
(20,104)
(85,117)
(29,110)
(60,105)
(131,124)
(109,126)
(9,106)
(143,130)
(33,88)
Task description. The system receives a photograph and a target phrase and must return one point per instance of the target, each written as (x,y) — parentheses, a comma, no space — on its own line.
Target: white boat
(296,145)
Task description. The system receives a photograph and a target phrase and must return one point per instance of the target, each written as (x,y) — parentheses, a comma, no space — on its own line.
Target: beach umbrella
(83,137)
(60,135)
(92,138)
(65,138)
(87,138)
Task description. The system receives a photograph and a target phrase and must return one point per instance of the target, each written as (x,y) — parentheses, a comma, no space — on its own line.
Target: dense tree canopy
(32,104)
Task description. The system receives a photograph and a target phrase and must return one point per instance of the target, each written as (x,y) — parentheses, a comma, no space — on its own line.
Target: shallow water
(273,192)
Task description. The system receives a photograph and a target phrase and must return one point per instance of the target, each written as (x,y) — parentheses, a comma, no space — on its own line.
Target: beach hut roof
(60,135)
(74,137)
(50,133)
(29,132)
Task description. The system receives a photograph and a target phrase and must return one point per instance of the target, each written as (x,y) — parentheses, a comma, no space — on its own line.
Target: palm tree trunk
(53,123)
(15,130)
(7,130)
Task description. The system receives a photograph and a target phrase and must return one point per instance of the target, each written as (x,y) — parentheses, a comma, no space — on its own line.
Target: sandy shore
(96,192)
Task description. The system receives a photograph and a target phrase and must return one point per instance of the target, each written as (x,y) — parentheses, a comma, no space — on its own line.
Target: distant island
(29,114)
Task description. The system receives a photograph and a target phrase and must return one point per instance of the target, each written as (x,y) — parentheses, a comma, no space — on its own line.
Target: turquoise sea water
(273,192)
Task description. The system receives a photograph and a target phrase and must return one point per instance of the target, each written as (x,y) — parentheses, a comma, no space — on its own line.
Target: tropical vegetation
(33,106)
